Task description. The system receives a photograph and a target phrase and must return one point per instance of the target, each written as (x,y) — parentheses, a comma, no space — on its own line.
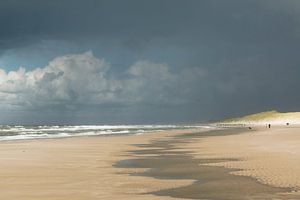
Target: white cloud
(83,79)
(75,78)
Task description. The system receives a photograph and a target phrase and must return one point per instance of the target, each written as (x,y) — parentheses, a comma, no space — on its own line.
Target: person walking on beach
(269,125)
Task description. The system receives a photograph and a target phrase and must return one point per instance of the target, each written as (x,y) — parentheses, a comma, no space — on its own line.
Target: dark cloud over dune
(147,61)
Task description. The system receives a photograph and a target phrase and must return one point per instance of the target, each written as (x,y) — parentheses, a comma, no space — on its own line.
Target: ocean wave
(20,132)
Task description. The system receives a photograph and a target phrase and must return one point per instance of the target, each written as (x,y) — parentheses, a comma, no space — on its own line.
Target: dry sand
(189,165)
(74,169)
(272,156)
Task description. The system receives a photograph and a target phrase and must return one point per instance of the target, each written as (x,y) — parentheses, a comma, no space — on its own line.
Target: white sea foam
(19,132)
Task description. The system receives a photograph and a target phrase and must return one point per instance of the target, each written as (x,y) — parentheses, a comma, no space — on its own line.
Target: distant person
(269,125)
(287,124)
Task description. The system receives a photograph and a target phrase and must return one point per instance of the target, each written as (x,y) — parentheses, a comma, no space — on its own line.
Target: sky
(145,62)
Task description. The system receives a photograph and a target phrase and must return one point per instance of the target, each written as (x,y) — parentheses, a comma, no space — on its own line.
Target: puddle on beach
(210,182)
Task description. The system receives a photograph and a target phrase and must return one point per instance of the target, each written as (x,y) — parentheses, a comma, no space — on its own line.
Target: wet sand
(224,164)
(272,156)
(168,158)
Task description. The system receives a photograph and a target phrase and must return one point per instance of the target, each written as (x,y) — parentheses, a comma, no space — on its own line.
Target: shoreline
(8,133)
(195,163)
(172,131)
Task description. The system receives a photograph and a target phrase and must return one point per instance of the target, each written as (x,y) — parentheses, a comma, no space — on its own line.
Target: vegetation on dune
(255,117)
(268,116)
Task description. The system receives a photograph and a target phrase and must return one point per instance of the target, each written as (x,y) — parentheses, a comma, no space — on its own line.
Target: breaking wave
(13,132)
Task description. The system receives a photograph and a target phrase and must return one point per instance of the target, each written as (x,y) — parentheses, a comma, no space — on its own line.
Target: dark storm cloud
(242,22)
(201,59)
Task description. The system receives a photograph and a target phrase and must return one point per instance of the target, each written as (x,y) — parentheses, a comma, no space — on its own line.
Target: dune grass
(255,117)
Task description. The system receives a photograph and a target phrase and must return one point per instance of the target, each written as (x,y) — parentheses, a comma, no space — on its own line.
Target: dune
(270,117)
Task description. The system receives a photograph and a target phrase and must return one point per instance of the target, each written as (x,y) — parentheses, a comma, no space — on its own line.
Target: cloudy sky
(141,61)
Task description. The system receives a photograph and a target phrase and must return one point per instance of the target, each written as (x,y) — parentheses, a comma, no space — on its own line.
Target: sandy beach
(194,164)
(75,168)
(269,155)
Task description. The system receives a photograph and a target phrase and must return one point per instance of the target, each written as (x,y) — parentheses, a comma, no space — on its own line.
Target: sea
(25,132)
